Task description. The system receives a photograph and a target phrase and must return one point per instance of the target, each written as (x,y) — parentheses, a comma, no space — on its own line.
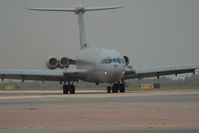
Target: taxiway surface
(97,111)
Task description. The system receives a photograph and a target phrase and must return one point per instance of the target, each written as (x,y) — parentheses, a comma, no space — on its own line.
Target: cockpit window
(118,60)
(110,60)
(114,60)
(104,61)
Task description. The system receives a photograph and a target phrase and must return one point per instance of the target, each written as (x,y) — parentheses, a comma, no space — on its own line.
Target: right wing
(158,71)
(43,75)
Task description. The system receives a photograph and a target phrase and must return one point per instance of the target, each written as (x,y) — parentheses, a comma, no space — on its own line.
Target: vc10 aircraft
(97,65)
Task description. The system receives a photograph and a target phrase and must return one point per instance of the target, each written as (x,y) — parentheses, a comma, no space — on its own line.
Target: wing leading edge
(159,71)
(43,75)
(78,74)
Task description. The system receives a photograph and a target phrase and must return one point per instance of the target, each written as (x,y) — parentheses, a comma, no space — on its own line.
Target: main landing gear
(68,88)
(117,87)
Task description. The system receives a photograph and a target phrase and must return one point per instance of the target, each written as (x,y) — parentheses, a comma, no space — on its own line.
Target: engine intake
(64,62)
(52,63)
(126,60)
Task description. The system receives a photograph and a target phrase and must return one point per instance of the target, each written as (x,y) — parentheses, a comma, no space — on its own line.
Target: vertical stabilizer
(80,10)
(82,32)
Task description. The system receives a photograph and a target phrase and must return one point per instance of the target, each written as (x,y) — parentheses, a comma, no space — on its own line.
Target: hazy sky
(149,32)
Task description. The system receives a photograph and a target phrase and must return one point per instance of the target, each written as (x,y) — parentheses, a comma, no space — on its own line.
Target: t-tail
(80,10)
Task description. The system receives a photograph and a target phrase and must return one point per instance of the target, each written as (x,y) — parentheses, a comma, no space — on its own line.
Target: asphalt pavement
(97,111)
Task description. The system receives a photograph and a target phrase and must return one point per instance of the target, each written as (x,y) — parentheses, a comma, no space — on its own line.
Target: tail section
(80,10)
(82,32)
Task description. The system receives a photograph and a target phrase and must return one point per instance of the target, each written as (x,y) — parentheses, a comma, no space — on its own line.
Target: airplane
(96,65)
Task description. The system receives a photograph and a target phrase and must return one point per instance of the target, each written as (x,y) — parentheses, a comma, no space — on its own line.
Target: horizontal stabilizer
(77,10)
(52,9)
(102,8)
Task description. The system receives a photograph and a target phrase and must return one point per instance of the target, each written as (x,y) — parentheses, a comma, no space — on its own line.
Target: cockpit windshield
(111,60)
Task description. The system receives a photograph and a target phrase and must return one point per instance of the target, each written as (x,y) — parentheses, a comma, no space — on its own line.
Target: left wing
(43,75)
(159,71)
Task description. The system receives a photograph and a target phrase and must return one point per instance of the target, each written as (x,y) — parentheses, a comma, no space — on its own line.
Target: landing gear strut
(117,87)
(108,89)
(68,88)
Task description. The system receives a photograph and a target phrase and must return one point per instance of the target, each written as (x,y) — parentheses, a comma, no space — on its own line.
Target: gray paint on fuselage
(90,59)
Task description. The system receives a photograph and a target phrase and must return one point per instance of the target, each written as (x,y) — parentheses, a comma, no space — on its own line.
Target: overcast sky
(149,32)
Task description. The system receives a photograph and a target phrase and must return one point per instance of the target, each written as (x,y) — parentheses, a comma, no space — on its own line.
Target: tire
(108,89)
(115,88)
(122,88)
(65,89)
(72,89)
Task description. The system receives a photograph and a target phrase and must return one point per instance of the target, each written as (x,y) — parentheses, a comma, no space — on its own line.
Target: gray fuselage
(103,65)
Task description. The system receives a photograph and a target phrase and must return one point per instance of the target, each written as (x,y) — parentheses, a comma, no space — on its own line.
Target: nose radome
(117,68)
(116,72)
(113,76)
(115,65)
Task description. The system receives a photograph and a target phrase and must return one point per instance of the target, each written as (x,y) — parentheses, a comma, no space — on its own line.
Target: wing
(159,71)
(43,75)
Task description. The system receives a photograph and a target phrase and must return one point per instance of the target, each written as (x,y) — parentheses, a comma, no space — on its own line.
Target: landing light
(105,73)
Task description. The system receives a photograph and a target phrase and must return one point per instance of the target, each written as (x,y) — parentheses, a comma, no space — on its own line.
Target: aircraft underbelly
(98,76)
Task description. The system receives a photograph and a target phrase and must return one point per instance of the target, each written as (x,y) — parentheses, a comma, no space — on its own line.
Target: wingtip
(29,8)
(118,6)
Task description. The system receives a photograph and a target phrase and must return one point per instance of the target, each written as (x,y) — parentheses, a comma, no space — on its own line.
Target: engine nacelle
(52,63)
(126,60)
(64,62)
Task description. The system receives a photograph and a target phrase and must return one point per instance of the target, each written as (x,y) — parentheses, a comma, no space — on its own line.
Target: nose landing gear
(117,87)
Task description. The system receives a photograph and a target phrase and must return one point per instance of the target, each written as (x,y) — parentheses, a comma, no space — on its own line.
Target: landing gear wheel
(115,88)
(108,89)
(65,89)
(122,88)
(72,89)
(68,88)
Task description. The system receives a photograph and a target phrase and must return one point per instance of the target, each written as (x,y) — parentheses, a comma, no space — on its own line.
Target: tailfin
(80,10)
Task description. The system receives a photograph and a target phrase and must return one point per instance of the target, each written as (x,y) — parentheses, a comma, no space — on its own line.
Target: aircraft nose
(117,70)
(116,73)
(115,65)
